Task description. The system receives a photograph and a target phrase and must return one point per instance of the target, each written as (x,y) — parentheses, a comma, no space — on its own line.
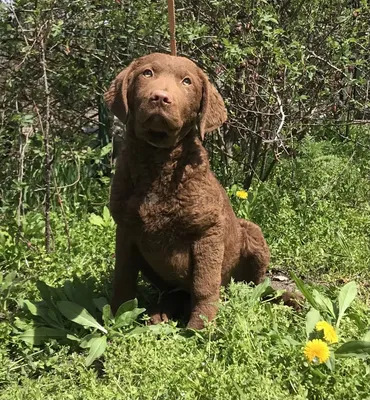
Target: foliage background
(286,69)
(294,75)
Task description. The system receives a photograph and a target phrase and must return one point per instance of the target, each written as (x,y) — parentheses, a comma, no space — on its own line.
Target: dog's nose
(161,97)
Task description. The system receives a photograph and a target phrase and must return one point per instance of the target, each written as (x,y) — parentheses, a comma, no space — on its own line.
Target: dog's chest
(173,200)
(162,211)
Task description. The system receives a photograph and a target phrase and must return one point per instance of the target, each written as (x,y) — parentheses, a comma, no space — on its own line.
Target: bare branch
(326,62)
(277,134)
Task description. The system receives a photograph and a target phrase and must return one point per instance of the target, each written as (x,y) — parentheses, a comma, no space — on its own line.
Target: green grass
(251,351)
(315,214)
(315,211)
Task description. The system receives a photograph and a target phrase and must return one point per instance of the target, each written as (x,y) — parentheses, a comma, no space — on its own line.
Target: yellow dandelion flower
(316,350)
(242,194)
(329,332)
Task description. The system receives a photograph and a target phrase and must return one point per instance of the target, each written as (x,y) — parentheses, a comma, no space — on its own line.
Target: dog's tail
(254,254)
(255,257)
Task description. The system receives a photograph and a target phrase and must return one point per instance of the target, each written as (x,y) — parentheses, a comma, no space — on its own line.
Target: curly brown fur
(174,220)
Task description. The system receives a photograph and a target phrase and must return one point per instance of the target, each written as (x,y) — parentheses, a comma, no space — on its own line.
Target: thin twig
(282,121)
(313,54)
(19,24)
(23,143)
(60,202)
(46,134)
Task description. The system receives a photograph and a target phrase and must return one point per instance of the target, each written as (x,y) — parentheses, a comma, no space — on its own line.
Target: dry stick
(281,125)
(22,152)
(20,26)
(47,216)
(60,202)
(171,20)
(46,133)
(313,54)
(277,134)
(23,135)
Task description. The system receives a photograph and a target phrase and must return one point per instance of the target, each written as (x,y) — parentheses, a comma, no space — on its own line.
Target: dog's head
(164,98)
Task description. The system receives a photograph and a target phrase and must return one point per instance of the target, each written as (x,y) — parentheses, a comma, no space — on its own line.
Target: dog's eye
(148,73)
(186,81)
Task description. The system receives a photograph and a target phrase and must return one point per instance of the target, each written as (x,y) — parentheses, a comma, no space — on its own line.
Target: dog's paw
(157,316)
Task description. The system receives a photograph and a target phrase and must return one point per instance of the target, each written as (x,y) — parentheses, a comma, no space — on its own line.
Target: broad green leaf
(271,291)
(345,298)
(23,325)
(69,290)
(8,280)
(331,362)
(10,276)
(104,151)
(35,336)
(97,348)
(358,320)
(86,340)
(366,337)
(304,290)
(357,348)
(59,294)
(139,330)
(107,314)
(76,313)
(127,306)
(100,303)
(127,318)
(324,303)
(259,290)
(44,290)
(78,293)
(31,307)
(166,329)
(43,312)
(55,317)
(292,342)
(46,294)
(72,337)
(312,318)
(96,220)
(269,18)
(106,214)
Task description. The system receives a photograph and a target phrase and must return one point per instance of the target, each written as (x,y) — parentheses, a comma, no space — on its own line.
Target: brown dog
(174,220)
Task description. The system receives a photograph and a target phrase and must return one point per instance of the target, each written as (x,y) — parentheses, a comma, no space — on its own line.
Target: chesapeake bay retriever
(174,220)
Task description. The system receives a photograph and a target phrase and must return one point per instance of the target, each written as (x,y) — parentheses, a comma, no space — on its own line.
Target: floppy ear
(116,95)
(213,111)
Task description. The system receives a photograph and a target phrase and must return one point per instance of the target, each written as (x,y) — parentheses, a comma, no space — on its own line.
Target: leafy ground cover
(315,214)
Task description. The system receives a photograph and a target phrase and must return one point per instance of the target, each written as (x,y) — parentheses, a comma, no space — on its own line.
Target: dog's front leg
(126,269)
(207,259)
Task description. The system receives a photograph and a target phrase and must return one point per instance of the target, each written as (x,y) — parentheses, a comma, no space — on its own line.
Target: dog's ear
(213,111)
(116,96)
